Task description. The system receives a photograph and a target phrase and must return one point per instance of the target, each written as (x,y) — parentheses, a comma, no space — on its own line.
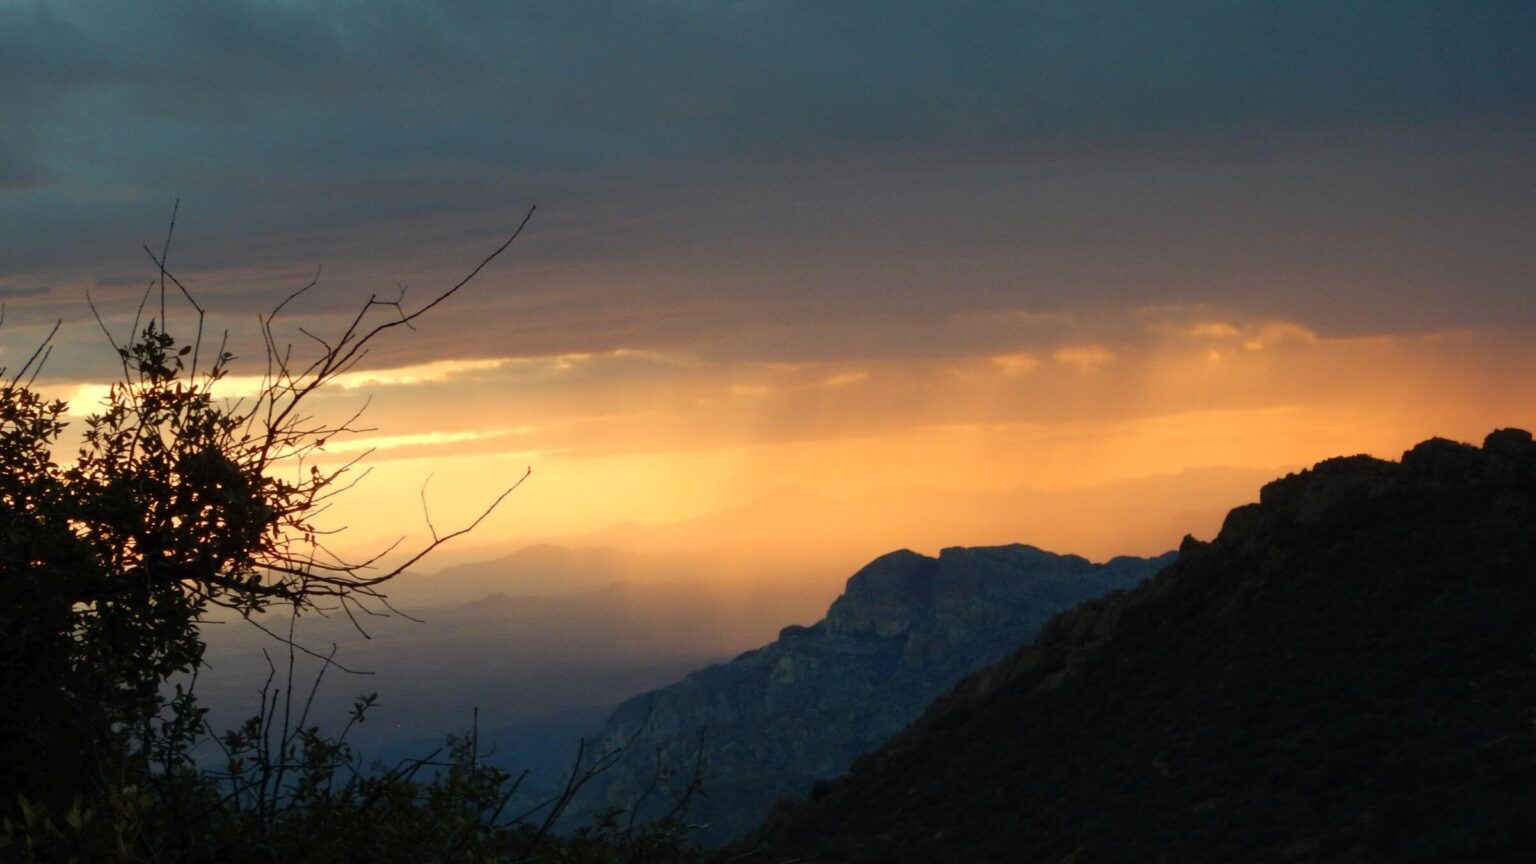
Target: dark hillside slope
(1346,673)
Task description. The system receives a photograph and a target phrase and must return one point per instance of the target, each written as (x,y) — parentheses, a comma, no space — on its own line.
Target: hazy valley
(545,639)
(629,650)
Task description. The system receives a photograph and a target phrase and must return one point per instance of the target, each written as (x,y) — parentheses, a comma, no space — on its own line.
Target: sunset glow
(1069,302)
(683,437)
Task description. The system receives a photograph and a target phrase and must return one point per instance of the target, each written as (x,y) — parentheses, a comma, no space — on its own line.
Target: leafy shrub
(178,502)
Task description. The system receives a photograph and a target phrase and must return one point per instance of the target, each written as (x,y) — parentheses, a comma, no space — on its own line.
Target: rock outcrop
(1347,672)
(776,720)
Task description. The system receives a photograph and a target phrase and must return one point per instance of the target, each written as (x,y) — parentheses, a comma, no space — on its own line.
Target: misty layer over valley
(846,734)
(565,635)
(544,641)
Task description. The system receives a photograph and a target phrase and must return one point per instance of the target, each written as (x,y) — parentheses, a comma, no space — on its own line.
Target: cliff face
(1347,672)
(776,720)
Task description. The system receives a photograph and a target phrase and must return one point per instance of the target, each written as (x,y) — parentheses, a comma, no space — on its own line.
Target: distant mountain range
(804,541)
(549,570)
(1134,517)
(775,720)
(1347,672)
(541,637)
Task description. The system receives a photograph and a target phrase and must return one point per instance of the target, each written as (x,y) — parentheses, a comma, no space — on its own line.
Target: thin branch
(459,533)
(165,253)
(40,351)
(295,645)
(426,512)
(286,300)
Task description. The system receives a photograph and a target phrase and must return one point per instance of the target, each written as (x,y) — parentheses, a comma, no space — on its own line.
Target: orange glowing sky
(934,294)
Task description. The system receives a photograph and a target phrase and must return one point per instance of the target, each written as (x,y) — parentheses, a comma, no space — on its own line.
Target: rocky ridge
(1347,672)
(776,720)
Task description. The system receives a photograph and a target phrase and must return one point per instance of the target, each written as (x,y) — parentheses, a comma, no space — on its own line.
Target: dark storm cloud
(304,132)
(147,94)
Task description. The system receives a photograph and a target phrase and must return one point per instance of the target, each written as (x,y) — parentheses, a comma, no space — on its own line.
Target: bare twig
(40,351)
(297,646)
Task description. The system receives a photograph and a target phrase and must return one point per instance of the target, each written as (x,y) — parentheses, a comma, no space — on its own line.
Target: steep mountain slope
(1346,673)
(777,719)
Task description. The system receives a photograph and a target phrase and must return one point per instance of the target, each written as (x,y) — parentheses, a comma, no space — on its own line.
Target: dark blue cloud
(295,128)
(150,95)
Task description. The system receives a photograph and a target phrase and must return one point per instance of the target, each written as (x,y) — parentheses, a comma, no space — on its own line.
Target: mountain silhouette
(775,720)
(1347,672)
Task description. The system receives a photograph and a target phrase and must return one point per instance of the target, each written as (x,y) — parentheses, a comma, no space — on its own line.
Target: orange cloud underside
(615,438)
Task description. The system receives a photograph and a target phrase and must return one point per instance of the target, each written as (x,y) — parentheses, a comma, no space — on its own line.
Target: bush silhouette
(178,502)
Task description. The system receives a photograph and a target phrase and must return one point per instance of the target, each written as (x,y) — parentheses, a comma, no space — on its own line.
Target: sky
(836,248)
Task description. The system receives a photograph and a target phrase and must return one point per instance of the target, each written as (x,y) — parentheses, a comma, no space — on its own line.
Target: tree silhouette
(178,500)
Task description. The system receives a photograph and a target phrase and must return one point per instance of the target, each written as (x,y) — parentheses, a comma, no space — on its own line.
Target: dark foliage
(179,501)
(106,564)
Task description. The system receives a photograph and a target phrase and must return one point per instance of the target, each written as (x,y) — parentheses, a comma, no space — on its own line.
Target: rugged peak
(1445,460)
(1327,488)
(1343,484)
(887,597)
(798,710)
(1344,673)
(1014,551)
(1515,443)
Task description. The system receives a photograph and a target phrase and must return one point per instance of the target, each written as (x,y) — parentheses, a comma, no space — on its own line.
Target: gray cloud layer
(144,95)
(998,154)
